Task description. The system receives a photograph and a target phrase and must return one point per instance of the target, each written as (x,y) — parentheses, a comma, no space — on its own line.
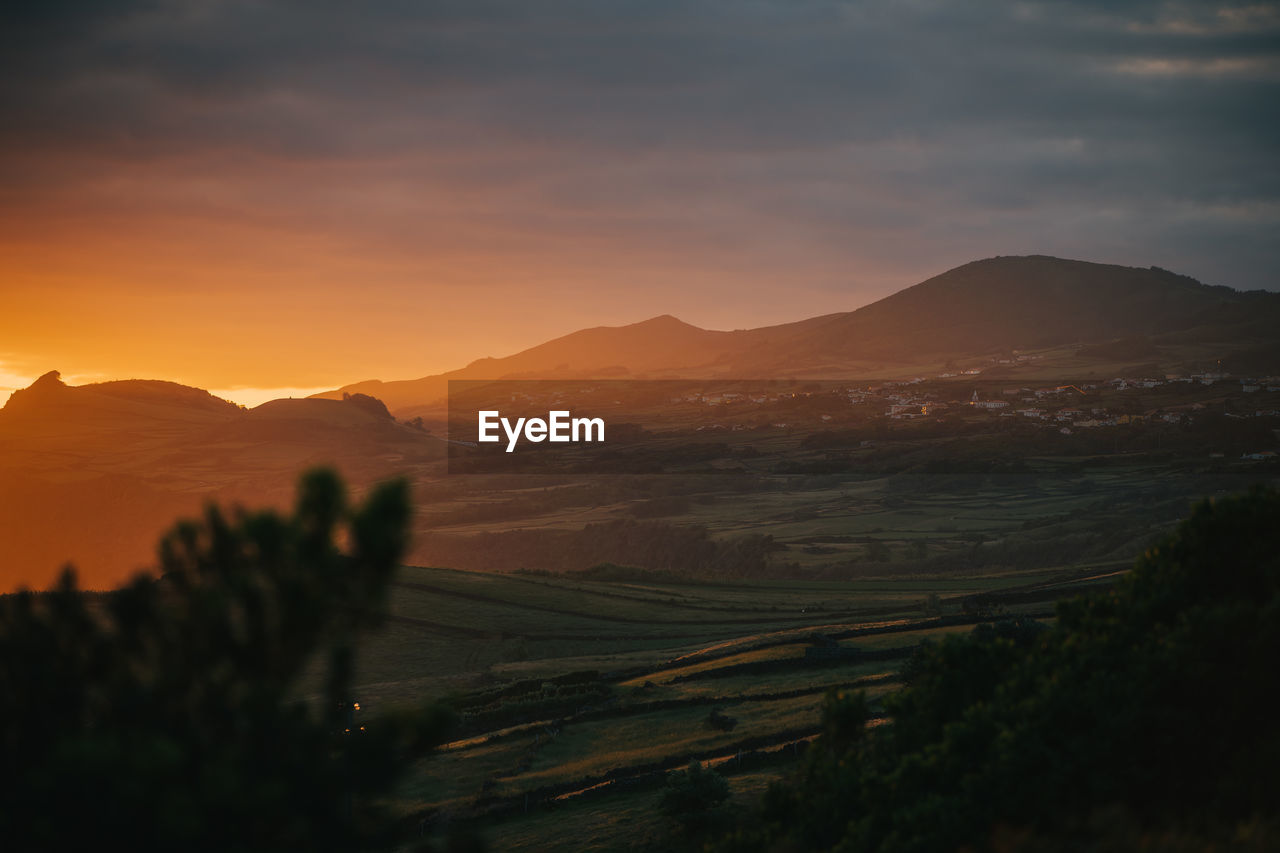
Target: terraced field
(577,697)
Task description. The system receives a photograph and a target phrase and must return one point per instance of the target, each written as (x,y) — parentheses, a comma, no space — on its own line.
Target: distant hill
(131,397)
(985,307)
(1009,303)
(92,474)
(651,348)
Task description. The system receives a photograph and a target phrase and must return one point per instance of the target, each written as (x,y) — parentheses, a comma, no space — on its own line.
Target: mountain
(92,474)
(100,417)
(1010,303)
(981,308)
(657,346)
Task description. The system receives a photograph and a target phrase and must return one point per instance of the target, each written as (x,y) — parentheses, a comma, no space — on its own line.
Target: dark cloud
(903,137)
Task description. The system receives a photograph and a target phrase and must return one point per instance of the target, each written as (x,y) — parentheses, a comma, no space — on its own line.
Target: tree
(690,794)
(1146,712)
(165,715)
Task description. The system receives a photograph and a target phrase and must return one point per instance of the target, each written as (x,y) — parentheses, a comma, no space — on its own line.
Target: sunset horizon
(639,426)
(244,393)
(249,200)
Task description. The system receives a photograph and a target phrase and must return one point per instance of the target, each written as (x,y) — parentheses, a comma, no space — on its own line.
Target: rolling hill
(91,474)
(982,308)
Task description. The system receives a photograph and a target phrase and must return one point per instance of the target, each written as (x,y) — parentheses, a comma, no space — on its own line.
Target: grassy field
(579,690)
(538,746)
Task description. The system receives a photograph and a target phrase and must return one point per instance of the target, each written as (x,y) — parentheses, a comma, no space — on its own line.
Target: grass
(616,821)
(459,631)
(596,747)
(635,731)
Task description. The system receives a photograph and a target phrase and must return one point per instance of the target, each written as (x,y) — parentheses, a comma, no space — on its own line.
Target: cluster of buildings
(1065,408)
(1070,406)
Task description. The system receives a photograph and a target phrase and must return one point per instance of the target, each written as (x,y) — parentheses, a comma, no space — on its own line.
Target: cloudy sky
(302,194)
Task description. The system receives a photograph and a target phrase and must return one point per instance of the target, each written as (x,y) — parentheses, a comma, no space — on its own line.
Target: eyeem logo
(559,426)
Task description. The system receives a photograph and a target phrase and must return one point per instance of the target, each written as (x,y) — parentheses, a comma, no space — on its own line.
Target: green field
(653,660)
(584,673)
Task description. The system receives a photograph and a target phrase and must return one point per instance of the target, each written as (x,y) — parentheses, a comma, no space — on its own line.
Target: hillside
(120,404)
(982,308)
(91,472)
(651,348)
(1032,302)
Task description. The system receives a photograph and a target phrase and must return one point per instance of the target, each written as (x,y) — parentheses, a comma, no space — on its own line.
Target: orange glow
(274,274)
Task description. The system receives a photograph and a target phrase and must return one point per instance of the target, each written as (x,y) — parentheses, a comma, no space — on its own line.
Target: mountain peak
(662,320)
(47,387)
(987,306)
(52,378)
(1037,301)
(667,323)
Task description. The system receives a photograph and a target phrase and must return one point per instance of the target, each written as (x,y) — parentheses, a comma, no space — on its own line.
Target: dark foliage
(162,715)
(1145,716)
(690,794)
(721,721)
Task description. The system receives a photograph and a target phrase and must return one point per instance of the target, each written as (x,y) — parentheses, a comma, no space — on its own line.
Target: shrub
(1147,711)
(691,793)
(164,716)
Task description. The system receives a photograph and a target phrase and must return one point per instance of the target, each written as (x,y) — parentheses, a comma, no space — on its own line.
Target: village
(959,400)
(1066,408)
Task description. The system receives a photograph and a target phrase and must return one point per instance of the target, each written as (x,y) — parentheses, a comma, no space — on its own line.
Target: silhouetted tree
(690,794)
(165,715)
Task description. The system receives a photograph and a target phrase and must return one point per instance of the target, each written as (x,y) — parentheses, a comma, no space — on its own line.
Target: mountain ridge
(982,307)
(89,474)
(124,458)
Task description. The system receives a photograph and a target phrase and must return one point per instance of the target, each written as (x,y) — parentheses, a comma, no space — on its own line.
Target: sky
(266,198)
